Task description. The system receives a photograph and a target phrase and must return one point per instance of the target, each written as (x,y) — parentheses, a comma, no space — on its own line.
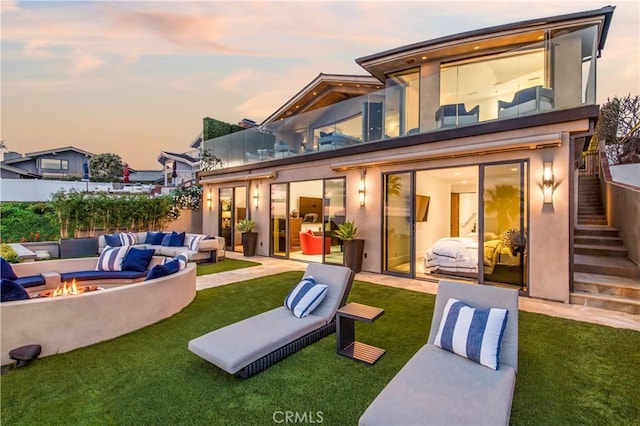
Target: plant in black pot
(353,247)
(249,238)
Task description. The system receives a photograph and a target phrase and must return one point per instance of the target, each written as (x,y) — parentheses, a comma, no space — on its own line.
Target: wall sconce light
(547,182)
(362,188)
(209,199)
(256,196)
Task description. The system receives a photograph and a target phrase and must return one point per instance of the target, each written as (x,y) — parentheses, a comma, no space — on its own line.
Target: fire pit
(70,290)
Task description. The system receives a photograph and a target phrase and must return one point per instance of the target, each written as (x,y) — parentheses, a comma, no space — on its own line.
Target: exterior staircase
(603,276)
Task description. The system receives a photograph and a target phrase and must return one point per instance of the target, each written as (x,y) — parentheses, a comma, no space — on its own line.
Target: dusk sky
(136,78)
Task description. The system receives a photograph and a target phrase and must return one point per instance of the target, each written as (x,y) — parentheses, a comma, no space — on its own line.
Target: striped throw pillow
(127,239)
(305,297)
(473,333)
(111,258)
(193,242)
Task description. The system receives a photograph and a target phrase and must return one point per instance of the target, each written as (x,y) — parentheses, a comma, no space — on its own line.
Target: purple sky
(136,78)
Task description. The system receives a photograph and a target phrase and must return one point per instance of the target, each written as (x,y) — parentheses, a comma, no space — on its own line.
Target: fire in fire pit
(67,290)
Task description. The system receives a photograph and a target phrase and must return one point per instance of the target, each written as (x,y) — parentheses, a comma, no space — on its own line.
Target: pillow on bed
(474,333)
(305,297)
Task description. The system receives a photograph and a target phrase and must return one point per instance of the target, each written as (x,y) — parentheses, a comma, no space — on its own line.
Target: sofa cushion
(166,239)
(6,271)
(30,281)
(111,258)
(305,297)
(10,291)
(473,333)
(182,258)
(137,259)
(101,275)
(154,238)
(158,271)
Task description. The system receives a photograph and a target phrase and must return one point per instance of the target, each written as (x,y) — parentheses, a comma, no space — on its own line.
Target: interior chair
(252,345)
(526,101)
(439,387)
(453,115)
(312,244)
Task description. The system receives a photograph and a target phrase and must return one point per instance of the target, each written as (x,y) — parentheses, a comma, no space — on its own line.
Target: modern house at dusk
(456,156)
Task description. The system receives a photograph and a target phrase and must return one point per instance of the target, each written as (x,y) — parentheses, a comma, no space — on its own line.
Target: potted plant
(353,247)
(249,238)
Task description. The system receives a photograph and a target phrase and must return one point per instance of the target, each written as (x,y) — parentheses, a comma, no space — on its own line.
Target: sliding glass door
(398,224)
(278,220)
(505,209)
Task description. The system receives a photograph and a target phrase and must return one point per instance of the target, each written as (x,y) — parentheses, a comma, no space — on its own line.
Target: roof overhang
(325,90)
(481,42)
(204,180)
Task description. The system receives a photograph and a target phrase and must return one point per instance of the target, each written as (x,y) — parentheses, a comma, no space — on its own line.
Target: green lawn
(570,373)
(223,265)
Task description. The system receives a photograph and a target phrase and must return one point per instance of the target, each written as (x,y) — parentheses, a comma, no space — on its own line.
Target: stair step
(597,250)
(607,285)
(596,230)
(592,221)
(592,216)
(612,303)
(597,240)
(605,265)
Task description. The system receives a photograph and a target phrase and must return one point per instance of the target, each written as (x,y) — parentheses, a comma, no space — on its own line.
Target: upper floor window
(402,103)
(54,164)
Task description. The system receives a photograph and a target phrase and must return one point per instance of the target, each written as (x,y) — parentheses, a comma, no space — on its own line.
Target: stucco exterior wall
(549,225)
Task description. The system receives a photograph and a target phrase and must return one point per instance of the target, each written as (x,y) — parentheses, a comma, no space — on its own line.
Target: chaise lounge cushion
(252,338)
(464,392)
(10,291)
(101,275)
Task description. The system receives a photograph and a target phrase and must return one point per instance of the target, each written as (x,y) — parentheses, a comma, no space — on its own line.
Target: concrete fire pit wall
(61,324)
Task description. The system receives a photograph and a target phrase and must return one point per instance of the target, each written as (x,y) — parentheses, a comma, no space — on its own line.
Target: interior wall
(439,219)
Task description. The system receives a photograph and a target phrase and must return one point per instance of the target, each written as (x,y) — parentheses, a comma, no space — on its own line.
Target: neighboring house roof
(477,41)
(197,141)
(324,90)
(182,158)
(31,155)
(23,173)
(147,175)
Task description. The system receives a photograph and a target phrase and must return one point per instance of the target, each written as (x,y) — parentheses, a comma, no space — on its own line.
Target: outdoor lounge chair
(439,387)
(252,345)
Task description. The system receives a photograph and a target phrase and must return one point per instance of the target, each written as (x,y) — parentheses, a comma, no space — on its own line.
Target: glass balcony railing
(556,72)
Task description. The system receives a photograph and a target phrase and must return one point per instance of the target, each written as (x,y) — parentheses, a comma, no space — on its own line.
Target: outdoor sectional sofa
(439,387)
(122,305)
(202,249)
(252,345)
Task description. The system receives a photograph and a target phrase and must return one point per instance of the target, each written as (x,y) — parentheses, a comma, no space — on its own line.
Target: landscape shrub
(9,254)
(27,222)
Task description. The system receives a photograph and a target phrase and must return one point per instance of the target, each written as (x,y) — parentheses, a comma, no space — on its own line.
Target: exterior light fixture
(256,196)
(209,199)
(547,182)
(362,188)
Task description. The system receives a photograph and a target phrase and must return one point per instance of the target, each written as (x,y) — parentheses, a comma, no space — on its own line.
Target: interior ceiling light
(541,37)
(314,93)
(424,58)
(476,47)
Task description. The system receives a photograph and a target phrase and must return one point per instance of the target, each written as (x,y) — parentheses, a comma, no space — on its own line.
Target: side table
(347,346)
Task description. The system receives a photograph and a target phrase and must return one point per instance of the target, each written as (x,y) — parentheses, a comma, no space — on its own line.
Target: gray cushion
(235,346)
(440,388)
